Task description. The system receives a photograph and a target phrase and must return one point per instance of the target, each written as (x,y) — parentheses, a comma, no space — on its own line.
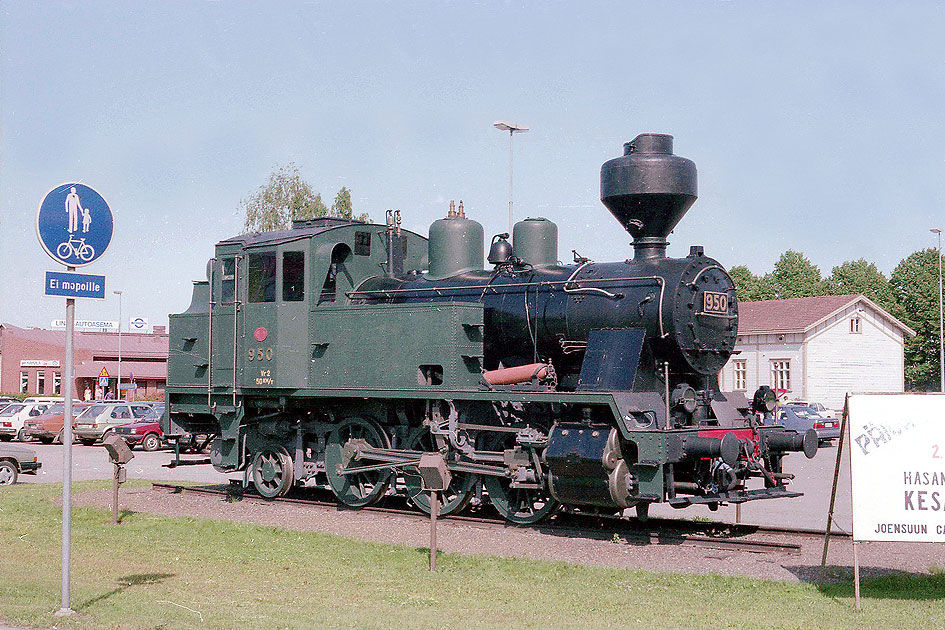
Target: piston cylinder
(587,468)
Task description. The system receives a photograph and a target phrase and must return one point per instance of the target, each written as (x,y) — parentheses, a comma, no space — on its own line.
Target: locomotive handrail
(210,402)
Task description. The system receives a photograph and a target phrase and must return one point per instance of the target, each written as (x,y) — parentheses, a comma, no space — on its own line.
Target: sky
(814,126)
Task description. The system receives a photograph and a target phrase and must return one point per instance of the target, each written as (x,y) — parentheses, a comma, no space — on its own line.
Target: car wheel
(6,438)
(23,437)
(87,442)
(151,442)
(7,474)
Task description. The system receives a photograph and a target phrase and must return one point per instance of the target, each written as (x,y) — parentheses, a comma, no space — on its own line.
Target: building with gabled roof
(31,361)
(817,348)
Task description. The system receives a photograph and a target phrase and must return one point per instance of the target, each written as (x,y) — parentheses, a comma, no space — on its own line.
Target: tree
(860,276)
(795,276)
(748,286)
(914,283)
(341,207)
(284,198)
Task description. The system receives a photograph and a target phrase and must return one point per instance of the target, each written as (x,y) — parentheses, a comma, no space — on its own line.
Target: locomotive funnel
(648,190)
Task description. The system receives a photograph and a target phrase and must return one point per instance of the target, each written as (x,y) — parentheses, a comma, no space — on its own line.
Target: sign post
(897,470)
(74,225)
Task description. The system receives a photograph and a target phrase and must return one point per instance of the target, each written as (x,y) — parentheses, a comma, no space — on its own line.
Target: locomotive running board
(737,496)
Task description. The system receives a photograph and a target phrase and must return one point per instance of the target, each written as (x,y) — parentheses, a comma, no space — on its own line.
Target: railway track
(712,535)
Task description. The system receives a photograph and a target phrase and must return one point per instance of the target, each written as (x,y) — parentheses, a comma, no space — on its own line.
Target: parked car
(101,418)
(146,432)
(13,416)
(47,428)
(816,406)
(800,418)
(15,460)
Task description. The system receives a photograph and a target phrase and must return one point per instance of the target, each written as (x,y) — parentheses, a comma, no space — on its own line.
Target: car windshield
(804,412)
(12,410)
(55,409)
(91,412)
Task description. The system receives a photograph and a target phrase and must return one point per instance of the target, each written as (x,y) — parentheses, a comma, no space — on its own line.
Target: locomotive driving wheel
(355,489)
(273,472)
(523,505)
(454,498)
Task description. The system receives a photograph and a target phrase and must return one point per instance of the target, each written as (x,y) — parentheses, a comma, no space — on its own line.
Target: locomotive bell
(648,190)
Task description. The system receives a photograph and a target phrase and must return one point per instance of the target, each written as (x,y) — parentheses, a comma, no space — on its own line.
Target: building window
(781,375)
(24,382)
(41,382)
(741,374)
(855,325)
(293,276)
(57,382)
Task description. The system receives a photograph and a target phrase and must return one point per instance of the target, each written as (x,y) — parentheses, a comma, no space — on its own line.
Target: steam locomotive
(338,353)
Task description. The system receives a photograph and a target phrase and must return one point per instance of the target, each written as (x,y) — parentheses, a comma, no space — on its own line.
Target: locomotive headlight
(684,398)
(765,400)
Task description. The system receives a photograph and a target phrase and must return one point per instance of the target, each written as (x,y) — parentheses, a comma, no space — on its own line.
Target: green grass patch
(157,572)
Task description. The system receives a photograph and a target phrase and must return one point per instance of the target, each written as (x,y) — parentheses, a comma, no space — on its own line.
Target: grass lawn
(156,572)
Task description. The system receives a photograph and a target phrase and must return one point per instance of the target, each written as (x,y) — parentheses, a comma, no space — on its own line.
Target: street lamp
(941,320)
(118,393)
(512,128)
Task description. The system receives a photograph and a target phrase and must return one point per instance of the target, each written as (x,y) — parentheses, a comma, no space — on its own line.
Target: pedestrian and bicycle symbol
(74,224)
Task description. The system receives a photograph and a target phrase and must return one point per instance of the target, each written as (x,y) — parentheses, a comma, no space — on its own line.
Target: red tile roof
(799,314)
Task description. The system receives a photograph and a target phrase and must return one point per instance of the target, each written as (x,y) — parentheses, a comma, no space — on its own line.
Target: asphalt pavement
(812,477)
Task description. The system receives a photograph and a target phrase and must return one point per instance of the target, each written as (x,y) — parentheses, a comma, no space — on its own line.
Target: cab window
(262,277)
(293,276)
(228,287)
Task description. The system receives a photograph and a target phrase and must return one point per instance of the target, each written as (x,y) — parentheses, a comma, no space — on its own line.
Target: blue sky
(814,126)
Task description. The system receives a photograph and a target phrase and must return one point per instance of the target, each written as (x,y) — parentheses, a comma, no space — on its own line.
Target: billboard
(897,466)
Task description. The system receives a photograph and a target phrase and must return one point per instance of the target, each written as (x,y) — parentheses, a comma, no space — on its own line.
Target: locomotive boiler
(338,352)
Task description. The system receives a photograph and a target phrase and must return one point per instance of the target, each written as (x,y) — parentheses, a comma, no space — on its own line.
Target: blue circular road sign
(74,224)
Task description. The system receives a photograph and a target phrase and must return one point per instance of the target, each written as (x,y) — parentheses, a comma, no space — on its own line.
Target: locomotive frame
(338,352)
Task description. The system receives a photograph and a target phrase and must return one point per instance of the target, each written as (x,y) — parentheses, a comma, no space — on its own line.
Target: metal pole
(69,370)
(118,393)
(941,319)
(434,508)
(856,576)
(115,495)
(511,133)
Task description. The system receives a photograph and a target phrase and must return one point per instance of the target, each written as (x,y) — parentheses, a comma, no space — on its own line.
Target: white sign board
(98,325)
(138,324)
(39,363)
(897,464)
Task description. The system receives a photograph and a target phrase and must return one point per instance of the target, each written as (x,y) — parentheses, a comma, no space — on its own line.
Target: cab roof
(304,228)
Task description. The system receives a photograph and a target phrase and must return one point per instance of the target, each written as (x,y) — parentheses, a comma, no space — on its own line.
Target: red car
(146,432)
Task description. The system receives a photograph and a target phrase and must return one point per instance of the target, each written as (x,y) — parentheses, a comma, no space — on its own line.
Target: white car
(13,416)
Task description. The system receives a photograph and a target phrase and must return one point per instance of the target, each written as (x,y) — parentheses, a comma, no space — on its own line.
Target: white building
(817,348)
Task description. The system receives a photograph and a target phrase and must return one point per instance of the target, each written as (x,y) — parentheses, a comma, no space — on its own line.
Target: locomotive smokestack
(648,190)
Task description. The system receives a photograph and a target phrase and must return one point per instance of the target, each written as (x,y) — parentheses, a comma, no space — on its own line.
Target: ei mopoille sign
(897,465)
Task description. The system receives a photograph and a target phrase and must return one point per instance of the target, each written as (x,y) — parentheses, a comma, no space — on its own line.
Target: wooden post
(833,493)
(856,576)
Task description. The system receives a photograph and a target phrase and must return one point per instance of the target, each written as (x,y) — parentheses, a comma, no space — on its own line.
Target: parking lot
(813,478)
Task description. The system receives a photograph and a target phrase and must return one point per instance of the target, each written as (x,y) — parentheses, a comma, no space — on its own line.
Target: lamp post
(118,393)
(512,128)
(941,319)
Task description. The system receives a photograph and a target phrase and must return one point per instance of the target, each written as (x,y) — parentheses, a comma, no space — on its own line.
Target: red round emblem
(260,334)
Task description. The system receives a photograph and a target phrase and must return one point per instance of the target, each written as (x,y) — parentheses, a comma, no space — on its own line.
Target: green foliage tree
(860,276)
(748,286)
(914,283)
(795,276)
(341,207)
(284,198)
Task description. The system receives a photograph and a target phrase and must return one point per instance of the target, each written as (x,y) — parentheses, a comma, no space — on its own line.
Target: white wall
(839,361)
(759,351)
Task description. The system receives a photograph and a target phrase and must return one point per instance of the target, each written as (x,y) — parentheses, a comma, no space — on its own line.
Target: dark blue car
(800,418)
